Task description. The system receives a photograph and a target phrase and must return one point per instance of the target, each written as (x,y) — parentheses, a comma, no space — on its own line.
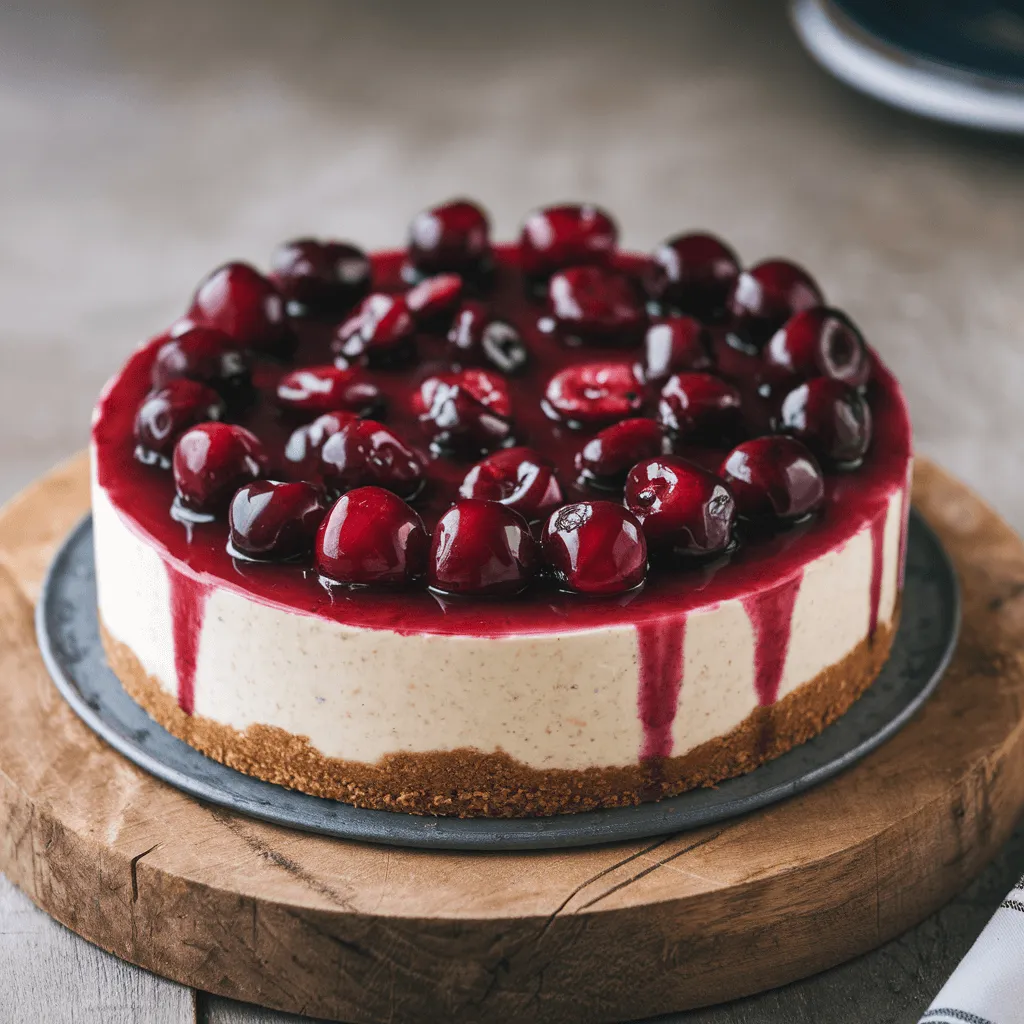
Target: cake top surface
(468,438)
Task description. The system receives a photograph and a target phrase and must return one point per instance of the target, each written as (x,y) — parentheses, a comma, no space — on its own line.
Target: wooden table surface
(144,142)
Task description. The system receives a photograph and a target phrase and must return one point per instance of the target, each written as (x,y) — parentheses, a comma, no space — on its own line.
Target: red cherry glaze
(379,333)
(605,459)
(768,294)
(320,389)
(565,236)
(371,537)
(833,420)
(204,354)
(434,298)
(520,478)
(367,453)
(674,344)
(693,273)
(481,548)
(774,479)
(700,407)
(275,521)
(597,305)
(305,444)
(681,506)
(820,342)
(211,461)
(590,395)
(321,277)
(451,238)
(595,547)
(486,387)
(238,300)
(167,413)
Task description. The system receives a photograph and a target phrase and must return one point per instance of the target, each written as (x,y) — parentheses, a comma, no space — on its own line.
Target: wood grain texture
(359,933)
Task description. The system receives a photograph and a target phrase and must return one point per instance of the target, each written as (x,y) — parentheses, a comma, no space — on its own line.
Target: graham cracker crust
(468,783)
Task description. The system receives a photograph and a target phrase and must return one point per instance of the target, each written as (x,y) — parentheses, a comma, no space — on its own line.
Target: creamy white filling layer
(564,700)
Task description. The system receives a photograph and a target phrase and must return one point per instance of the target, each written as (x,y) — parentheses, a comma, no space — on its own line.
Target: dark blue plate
(68,631)
(953,60)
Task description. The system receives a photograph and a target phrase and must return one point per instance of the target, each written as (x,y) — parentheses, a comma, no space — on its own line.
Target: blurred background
(145,142)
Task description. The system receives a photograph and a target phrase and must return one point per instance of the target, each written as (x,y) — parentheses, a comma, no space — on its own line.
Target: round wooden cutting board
(361,933)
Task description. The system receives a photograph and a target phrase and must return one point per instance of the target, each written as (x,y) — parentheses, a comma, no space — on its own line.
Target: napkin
(988,986)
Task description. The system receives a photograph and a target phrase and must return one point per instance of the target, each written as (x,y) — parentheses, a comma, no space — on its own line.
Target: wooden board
(360,933)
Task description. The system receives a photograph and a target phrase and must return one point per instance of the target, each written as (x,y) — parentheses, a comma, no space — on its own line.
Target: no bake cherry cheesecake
(501,530)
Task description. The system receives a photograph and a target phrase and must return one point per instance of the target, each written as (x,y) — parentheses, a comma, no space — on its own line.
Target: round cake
(506,530)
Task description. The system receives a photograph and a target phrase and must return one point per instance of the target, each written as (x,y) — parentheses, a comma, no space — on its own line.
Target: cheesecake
(505,530)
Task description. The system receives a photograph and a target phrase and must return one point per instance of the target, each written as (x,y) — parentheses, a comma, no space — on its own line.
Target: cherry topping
(680,505)
(460,423)
(832,419)
(487,388)
(565,236)
(674,345)
(481,547)
(593,394)
(597,305)
(820,342)
(238,300)
(320,277)
(371,536)
(270,520)
(774,479)
(694,274)
(379,333)
(473,334)
(768,294)
(166,414)
(204,354)
(595,547)
(452,237)
(319,389)
(366,452)
(700,407)
(605,459)
(520,478)
(306,443)
(211,461)
(434,298)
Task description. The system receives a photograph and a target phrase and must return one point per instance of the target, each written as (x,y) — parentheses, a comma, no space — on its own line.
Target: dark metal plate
(68,632)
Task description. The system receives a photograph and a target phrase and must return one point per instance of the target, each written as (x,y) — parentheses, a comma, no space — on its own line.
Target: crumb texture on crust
(472,783)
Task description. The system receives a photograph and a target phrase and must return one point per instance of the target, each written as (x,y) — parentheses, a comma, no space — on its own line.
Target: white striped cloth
(988,986)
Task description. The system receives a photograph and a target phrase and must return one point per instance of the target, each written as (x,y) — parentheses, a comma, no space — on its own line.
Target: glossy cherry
(204,354)
(606,458)
(481,548)
(238,300)
(275,521)
(319,389)
(831,418)
(379,333)
(768,294)
(167,413)
(211,461)
(474,336)
(567,235)
(434,299)
(674,344)
(371,537)
(487,388)
(595,547)
(700,408)
(820,342)
(451,238)
(681,506)
(590,395)
(367,453)
(458,422)
(305,443)
(597,305)
(320,277)
(774,479)
(520,478)
(693,273)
